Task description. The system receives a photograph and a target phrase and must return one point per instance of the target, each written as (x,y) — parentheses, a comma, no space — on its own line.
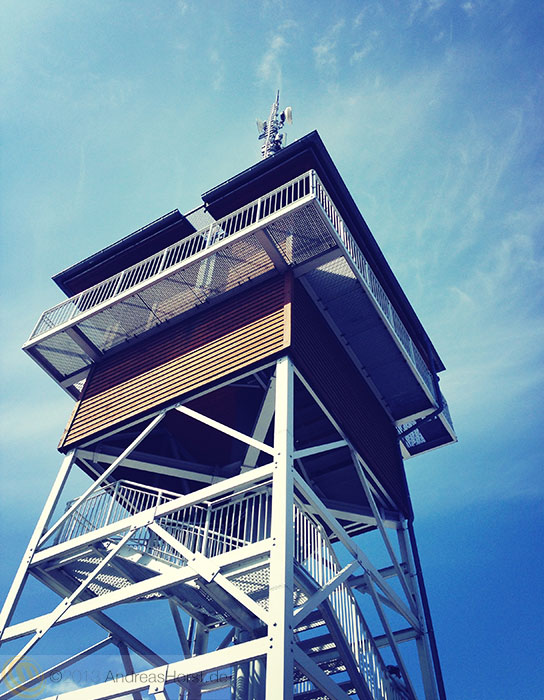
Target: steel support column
(280,654)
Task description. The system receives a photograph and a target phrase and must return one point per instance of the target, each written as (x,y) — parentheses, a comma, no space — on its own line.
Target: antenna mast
(269,130)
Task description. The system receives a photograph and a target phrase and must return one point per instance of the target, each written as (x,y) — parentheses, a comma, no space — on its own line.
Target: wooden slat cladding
(237,333)
(325,364)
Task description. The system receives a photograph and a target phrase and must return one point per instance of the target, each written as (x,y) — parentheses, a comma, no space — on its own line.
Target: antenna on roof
(269,130)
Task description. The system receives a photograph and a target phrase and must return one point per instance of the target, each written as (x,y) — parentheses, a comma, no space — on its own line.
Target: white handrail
(372,284)
(168,258)
(210,528)
(315,554)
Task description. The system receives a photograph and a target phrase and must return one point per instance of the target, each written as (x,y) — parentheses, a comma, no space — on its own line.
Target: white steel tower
(249,378)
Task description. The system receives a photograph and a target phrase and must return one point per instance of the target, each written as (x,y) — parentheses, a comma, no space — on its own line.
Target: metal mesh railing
(210,528)
(372,283)
(315,554)
(266,210)
(170,258)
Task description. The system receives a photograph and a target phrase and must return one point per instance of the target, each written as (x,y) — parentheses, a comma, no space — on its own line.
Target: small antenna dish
(269,130)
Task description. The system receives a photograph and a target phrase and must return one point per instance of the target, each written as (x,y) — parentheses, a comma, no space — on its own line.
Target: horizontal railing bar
(203,239)
(373,286)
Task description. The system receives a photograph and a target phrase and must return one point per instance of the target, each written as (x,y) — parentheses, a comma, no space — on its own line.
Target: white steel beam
(404,635)
(225,429)
(345,651)
(43,521)
(359,465)
(317,676)
(324,592)
(271,249)
(181,669)
(431,688)
(128,665)
(356,552)
(280,659)
(135,590)
(180,629)
(235,483)
(55,615)
(96,484)
(107,624)
(104,601)
(376,486)
(391,639)
(83,343)
(19,690)
(266,414)
(318,449)
(155,466)
(209,571)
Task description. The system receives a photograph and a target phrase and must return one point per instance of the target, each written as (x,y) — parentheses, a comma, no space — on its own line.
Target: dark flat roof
(128,251)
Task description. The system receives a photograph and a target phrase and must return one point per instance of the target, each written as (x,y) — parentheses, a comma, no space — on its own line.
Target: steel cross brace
(209,571)
(96,484)
(22,687)
(135,590)
(356,552)
(358,464)
(22,572)
(52,618)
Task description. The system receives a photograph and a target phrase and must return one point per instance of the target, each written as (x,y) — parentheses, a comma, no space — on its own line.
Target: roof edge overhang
(140,244)
(307,153)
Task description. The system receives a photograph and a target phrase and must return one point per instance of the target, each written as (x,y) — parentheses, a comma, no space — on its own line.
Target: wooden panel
(324,363)
(237,333)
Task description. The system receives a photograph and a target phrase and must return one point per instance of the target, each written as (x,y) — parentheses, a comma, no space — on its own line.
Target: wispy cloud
(269,69)
(183,6)
(365,48)
(218,70)
(424,8)
(325,50)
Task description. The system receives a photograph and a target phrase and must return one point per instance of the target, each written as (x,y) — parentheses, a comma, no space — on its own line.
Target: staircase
(335,635)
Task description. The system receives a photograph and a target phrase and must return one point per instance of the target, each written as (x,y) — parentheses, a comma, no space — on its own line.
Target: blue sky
(114,113)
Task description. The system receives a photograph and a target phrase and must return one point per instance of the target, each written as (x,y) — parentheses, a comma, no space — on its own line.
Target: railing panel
(209,528)
(372,284)
(315,554)
(167,258)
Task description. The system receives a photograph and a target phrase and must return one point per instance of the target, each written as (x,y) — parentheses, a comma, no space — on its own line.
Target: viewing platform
(294,227)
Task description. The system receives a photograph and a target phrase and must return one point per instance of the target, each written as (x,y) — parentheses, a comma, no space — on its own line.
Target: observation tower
(248,378)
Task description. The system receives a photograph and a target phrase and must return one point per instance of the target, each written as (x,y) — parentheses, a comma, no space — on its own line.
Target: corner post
(280,656)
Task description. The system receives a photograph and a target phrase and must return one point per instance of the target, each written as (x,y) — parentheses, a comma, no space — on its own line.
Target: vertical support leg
(241,675)
(422,642)
(128,665)
(200,647)
(279,664)
(47,512)
(258,679)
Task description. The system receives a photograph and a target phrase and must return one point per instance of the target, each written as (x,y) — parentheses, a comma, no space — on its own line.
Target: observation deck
(297,226)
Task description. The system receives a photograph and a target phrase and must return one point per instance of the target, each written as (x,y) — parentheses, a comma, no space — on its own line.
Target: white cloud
(424,8)
(367,47)
(183,6)
(269,69)
(324,51)
(218,68)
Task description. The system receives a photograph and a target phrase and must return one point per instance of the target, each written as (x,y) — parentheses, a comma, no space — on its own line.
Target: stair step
(317,694)
(313,620)
(322,650)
